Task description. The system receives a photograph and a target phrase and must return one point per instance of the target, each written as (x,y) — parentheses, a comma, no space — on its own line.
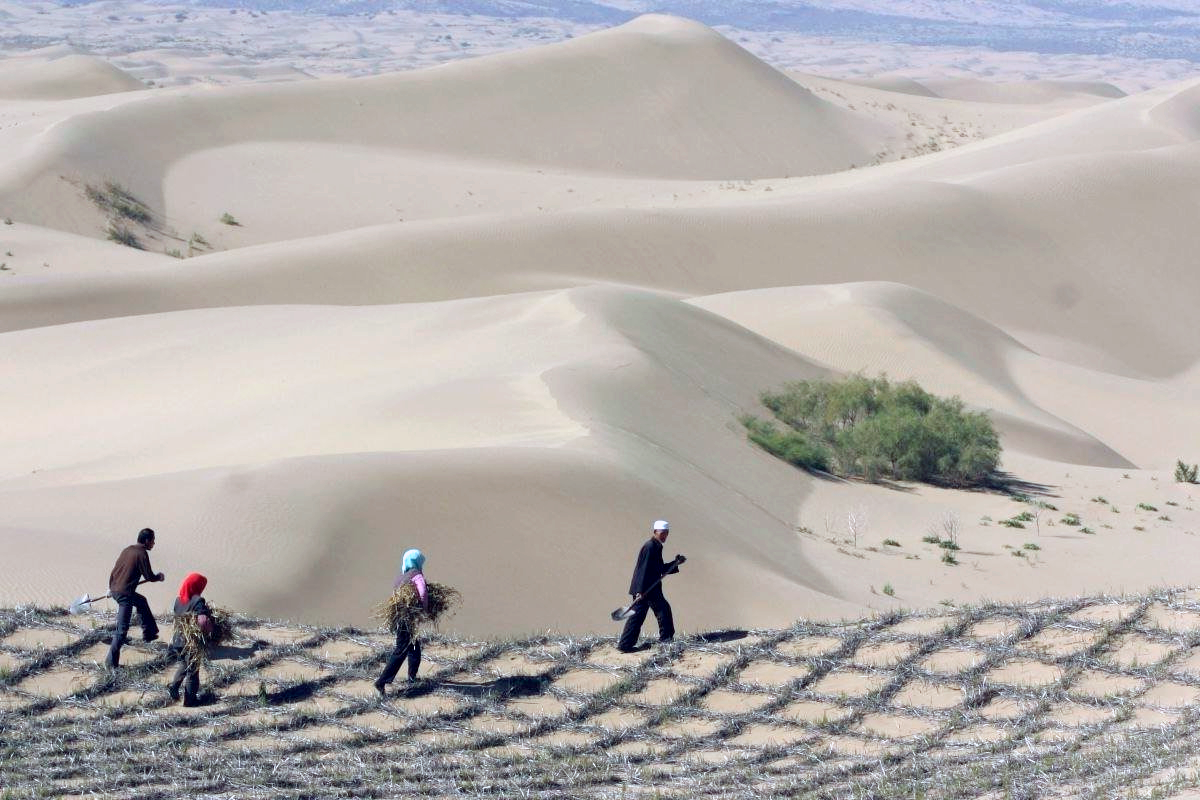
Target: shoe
(627,649)
(190,701)
(381,688)
(173,691)
(151,638)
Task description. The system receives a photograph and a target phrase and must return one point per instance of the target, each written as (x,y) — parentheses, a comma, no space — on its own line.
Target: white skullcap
(661,525)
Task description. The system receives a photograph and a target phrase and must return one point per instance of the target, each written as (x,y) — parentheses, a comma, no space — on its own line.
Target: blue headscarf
(413,559)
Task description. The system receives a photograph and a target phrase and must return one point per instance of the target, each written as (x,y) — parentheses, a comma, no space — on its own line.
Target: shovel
(84,600)
(625,612)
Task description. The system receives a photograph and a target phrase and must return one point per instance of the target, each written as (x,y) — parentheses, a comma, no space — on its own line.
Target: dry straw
(195,641)
(403,608)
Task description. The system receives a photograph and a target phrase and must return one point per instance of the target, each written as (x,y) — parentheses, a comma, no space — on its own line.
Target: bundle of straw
(195,641)
(403,609)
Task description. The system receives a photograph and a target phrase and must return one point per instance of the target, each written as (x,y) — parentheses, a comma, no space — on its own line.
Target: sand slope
(55,76)
(510,310)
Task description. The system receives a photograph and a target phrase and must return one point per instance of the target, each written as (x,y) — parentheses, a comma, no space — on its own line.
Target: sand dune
(62,77)
(583,105)
(1043,250)
(1043,91)
(510,309)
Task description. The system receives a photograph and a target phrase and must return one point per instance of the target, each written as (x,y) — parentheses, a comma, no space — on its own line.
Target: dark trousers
(407,647)
(126,603)
(655,600)
(188,677)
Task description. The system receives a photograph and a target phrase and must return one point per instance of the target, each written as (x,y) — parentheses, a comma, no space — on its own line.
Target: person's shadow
(514,686)
(224,652)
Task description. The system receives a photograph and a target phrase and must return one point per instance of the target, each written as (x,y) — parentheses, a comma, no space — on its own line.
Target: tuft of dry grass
(403,608)
(195,641)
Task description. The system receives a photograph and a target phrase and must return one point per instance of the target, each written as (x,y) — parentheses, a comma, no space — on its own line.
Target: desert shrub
(1147,507)
(932,539)
(948,558)
(890,543)
(1071,519)
(1184,473)
(1012,523)
(118,201)
(889,590)
(872,428)
(1031,546)
(229,219)
(794,447)
(121,235)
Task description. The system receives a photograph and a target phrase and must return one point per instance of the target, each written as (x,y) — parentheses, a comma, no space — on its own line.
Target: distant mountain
(1126,28)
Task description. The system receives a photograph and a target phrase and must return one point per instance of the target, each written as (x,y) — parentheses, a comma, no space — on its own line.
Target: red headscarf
(192,586)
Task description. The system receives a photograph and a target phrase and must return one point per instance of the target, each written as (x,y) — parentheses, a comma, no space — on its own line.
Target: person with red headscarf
(189,601)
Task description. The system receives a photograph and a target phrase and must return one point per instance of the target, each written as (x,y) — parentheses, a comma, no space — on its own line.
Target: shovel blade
(81,603)
(622,613)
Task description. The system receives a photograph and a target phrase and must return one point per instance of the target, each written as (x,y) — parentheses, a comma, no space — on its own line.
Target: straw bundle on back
(195,641)
(403,608)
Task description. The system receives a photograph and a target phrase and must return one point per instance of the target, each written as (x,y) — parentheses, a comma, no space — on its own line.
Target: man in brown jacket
(133,566)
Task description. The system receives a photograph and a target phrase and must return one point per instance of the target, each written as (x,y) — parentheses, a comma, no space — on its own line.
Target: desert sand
(509,309)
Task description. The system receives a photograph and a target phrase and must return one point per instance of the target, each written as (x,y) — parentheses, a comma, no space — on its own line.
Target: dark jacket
(195,606)
(132,564)
(649,567)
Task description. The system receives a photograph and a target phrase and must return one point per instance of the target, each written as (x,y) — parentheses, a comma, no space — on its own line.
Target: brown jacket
(132,564)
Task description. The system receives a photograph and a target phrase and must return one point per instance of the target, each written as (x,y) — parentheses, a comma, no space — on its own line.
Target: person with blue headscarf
(408,647)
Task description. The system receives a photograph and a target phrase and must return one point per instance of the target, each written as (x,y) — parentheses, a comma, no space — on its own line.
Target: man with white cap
(647,591)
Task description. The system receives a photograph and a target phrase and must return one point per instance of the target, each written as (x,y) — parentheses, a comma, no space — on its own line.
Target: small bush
(948,558)
(890,543)
(1100,499)
(1146,507)
(1019,553)
(1012,523)
(8,221)
(1086,530)
(122,235)
(1138,528)
(1072,520)
(1164,518)
(888,590)
(794,447)
(947,544)
(1024,516)
(1031,546)
(1184,473)
(229,219)
(931,539)
(878,430)
(118,201)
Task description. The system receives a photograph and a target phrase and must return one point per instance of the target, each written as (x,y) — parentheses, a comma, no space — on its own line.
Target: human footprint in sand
(408,647)
(647,591)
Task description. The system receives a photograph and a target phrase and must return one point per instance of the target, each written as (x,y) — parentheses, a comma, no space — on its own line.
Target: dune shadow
(716,637)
